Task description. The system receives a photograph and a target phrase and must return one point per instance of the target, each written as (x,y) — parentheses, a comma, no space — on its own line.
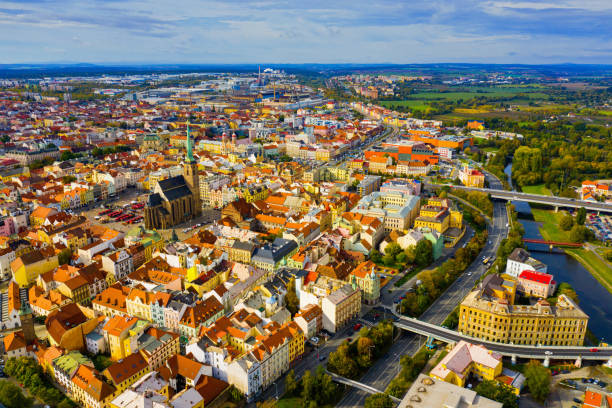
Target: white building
(520,260)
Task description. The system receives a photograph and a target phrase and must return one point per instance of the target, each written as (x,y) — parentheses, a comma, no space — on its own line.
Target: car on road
(322,358)
(357,326)
(594,350)
(577,401)
(548,353)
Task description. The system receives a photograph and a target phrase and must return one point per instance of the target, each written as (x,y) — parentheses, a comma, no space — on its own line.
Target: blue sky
(303,31)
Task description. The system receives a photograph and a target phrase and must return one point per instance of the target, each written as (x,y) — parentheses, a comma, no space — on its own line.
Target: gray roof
(174,188)
(274,252)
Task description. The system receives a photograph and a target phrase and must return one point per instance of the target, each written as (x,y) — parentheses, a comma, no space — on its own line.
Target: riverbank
(549,229)
(594,265)
(549,224)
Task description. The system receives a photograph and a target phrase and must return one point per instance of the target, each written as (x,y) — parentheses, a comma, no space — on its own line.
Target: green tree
(68,179)
(380,400)
(375,256)
(292,301)
(423,254)
(290,383)
(498,392)
(608,255)
(388,260)
(308,386)
(581,216)
(537,379)
(566,223)
(64,256)
(579,233)
(12,397)
(393,249)
(235,394)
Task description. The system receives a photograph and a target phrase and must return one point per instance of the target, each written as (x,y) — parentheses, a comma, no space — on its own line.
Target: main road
(385,369)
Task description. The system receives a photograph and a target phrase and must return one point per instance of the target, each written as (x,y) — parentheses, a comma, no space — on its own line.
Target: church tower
(27,323)
(190,172)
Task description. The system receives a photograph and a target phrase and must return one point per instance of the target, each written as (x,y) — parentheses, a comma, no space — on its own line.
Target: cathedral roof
(174,188)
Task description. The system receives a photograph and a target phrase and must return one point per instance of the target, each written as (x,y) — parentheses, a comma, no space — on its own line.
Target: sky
(306,31)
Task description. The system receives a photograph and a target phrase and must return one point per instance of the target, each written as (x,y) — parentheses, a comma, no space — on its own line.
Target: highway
(536,198)
(385,369)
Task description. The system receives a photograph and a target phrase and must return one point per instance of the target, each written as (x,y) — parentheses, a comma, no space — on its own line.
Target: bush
(566,223)
(380,400)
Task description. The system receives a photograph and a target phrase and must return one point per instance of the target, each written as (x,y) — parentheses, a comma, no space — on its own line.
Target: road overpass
(510,350)
(534,198)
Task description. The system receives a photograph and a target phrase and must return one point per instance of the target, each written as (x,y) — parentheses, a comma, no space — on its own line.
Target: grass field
(600,270)
(550,229)
(410,104)
(537,189)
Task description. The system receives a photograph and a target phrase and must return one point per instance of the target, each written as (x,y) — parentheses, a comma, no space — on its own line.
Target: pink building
(536,284)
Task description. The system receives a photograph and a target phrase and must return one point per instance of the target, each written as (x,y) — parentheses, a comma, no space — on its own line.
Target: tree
(293,303)
(64,256)
(308,386)
(12,397)
(608,255)
(388,260)
(566,223)
(340,362)
(423,254)
(290,383)
(380,400)
(497,392)
(68,179)
(375,256)
(579,233)
(581,216)
(537,378)
(393,249)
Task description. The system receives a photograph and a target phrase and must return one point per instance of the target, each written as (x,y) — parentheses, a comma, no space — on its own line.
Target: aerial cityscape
(257,204)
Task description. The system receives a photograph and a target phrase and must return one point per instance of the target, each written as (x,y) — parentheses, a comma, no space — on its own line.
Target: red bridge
(552,243)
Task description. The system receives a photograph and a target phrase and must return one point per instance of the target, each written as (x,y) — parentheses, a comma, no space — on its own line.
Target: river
(595,300)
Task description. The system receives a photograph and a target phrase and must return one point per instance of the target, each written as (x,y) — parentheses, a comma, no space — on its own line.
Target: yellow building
(322,155)
(120,333)
(138,304)
(488,313)
(241,251)
(126,372)
(77,289)
(467,359)
(296,340)
(471,177)
(254,193)
(28,266)
(90,389)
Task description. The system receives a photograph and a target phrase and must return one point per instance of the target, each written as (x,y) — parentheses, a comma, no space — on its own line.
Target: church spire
(190,158)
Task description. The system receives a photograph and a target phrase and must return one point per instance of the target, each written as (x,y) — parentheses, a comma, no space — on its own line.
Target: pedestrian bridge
(356,384)
(552,243)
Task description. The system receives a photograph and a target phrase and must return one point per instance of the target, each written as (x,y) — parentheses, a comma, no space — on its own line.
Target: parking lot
(601,225)
(131,196)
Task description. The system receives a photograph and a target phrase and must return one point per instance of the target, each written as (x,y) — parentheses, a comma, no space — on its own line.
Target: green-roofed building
(65,366)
